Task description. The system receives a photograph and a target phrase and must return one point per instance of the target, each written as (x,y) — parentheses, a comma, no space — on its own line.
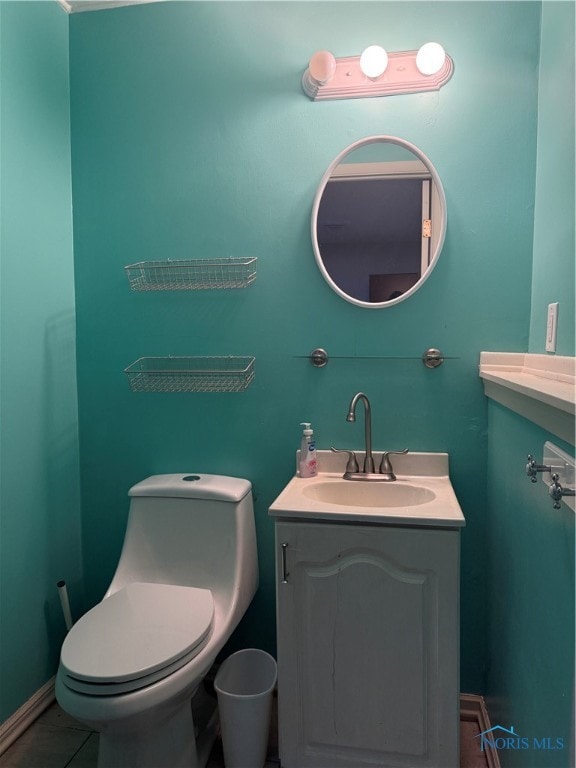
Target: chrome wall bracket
(319,357)
(432,358)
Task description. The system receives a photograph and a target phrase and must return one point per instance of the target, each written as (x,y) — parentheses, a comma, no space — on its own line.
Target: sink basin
(422,495)
(365,494)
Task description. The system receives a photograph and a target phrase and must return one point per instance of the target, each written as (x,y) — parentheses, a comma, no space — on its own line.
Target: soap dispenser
(308,463)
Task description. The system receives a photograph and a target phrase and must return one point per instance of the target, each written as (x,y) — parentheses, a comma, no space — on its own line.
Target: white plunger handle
(65,604)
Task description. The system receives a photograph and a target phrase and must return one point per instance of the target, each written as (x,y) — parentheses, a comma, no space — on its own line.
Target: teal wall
(191,138)
(530,574)
(39,496)
(530,577)
(553,266)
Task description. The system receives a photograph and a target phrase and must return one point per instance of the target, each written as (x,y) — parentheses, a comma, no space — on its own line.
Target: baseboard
(23,718)
(473,708)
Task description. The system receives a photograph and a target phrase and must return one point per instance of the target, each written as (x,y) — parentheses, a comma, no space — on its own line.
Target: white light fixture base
(401,76)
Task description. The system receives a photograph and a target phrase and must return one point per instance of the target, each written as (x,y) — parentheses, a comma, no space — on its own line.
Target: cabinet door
(367,646)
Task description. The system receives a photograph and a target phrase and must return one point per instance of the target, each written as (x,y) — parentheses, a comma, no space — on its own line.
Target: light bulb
(430,58)
(322,66)
(373,61)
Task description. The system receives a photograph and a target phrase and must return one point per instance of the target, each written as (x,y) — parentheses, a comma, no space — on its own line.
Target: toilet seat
(138,635)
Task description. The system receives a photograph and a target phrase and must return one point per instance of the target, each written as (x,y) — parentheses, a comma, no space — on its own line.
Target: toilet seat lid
(137,631)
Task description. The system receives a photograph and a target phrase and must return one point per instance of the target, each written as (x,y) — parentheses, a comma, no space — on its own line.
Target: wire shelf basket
(191,275)
(191,374)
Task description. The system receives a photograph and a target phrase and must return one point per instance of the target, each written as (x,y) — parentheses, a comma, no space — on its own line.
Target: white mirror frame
(443,220)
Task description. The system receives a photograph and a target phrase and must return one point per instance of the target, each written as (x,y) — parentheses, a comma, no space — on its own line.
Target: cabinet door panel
(360,597)
(359,675)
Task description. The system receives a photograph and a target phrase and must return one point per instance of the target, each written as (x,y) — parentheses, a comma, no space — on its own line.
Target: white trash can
(244,684)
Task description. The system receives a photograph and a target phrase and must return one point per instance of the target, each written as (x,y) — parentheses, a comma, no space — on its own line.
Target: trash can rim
(246,696)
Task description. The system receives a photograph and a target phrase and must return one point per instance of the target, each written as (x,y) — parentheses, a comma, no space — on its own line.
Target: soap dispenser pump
(308,465)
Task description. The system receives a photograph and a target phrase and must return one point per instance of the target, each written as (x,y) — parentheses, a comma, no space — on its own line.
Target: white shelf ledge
(541,388)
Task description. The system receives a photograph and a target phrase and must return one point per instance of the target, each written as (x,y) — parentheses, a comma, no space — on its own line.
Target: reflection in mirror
(378,221)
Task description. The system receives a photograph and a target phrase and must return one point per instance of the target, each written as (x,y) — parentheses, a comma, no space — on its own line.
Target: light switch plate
(551,327)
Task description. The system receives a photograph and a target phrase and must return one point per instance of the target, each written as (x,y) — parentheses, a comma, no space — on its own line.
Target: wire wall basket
(191,275)
(191,374)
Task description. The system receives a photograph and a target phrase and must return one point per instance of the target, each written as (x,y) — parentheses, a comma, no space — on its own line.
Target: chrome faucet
(368,458)
(385,473)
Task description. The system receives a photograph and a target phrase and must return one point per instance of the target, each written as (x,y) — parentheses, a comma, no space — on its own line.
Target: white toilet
(187,573)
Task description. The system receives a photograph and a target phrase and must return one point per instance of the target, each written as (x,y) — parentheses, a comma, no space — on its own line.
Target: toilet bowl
(131,666)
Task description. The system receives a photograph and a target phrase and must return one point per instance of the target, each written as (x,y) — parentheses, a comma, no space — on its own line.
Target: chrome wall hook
(532,468)
(558,470)
(557,492)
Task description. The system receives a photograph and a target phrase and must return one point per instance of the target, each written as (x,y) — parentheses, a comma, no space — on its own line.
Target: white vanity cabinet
(368,644)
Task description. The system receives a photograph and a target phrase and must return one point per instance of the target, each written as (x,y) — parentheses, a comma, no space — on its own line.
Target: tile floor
(56,740)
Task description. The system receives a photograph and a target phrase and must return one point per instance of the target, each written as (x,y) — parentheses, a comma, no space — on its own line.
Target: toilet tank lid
(193,486)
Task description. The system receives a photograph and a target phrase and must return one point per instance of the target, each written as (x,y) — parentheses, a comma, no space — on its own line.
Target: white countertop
(423,470)
(548,378)
(541,388)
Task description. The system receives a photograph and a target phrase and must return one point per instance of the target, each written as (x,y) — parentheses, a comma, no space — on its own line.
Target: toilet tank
(192,530)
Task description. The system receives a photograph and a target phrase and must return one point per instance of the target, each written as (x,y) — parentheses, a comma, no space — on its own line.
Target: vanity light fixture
(377,73)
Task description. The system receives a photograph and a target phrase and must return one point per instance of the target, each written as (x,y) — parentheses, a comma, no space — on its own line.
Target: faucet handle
(385,464)
(352,463)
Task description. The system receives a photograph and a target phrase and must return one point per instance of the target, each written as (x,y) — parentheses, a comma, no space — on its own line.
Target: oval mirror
(378,221)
